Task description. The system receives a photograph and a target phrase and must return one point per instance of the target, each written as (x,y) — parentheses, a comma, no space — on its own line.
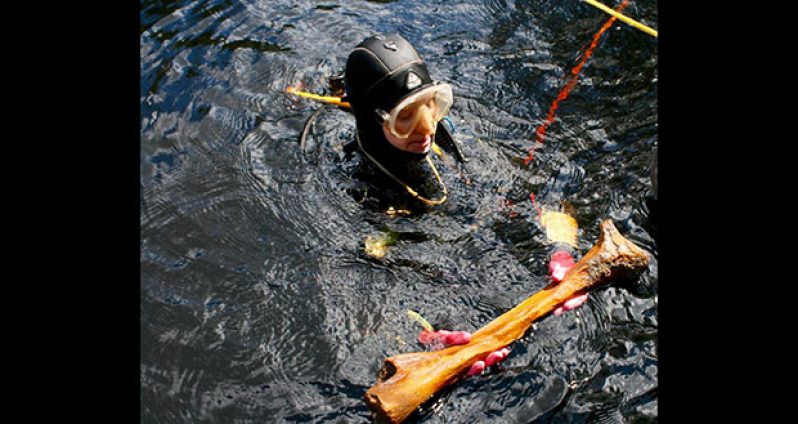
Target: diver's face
(420,138)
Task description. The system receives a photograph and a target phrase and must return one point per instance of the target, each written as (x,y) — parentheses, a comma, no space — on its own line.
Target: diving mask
(403,119)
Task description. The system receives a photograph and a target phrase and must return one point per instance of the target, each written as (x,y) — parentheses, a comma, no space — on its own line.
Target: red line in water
(535,204)
(573,77)
(540,132)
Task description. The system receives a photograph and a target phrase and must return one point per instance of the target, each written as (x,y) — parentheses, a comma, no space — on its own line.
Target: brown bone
(408,380)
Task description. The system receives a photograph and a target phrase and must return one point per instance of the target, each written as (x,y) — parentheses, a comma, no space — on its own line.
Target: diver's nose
(426,124)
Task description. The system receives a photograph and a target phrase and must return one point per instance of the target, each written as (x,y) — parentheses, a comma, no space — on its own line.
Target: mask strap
(382,116)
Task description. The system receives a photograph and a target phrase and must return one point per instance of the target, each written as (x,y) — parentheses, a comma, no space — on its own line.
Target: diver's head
(396,104)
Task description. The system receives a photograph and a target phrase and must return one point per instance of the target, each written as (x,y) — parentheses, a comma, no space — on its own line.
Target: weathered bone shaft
(406,381)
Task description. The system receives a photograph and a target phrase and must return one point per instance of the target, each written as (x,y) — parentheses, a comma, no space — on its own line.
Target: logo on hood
(412,81)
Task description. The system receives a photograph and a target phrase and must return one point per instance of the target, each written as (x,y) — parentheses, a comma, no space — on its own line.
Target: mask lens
(431,103)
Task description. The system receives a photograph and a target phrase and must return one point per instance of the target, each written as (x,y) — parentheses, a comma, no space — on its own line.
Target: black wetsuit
(378,191)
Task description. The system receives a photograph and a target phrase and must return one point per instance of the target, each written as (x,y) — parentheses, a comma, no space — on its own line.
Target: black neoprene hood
(381,71)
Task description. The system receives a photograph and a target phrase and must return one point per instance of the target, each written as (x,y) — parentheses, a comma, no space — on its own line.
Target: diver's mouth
(421,144)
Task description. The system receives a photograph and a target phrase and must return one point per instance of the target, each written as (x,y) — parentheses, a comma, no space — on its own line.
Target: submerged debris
(377,246)
(559,227)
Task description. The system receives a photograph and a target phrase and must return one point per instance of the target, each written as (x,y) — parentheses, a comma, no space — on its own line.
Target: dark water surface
(257,301)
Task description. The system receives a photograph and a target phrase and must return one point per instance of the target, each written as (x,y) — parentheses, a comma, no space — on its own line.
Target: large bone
(408,380)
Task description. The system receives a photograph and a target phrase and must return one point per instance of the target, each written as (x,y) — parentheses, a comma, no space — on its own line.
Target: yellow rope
(623,17)
(417,317)
(325,99)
